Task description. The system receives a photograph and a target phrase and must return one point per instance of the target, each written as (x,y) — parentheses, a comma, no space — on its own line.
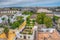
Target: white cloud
(8,2)
(11,2)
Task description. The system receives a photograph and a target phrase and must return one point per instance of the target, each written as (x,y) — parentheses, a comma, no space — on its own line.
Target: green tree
(43,19)
(15,25)
(48,22)
(19,17)
(56,18)
(27,13)
(1,25)
(28,19)
(6,30)
(3,18)
(20,21)
(33,22)
(40,18)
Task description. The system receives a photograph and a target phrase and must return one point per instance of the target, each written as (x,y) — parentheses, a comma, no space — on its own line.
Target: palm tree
(6,30)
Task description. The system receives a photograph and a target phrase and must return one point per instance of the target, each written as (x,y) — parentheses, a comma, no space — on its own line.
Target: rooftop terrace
(27,30)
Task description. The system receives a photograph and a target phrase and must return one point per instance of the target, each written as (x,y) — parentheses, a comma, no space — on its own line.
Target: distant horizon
(29,3)
(32,7)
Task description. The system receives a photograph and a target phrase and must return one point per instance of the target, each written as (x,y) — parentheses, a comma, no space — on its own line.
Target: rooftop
(2,36)
(43,10)
(52,34)
(11,35)
(27,30)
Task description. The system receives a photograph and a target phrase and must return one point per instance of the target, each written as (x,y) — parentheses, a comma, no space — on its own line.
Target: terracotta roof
(2,35)
(48,36)
(11,35)
(50,15)
(43,10)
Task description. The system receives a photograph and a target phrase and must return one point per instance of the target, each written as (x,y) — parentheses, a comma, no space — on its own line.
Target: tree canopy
(43,19)
(3,18)
(19,17)
(56,17)
(6,30)
(48,22)
(27,12)
(40,18)
(15,25)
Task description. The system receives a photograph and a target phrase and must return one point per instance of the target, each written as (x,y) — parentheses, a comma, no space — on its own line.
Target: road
(35,35)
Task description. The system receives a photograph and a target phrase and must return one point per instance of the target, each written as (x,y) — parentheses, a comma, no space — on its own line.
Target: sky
(29,3)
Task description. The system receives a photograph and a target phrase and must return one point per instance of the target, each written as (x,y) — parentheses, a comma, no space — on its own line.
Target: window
(21,36)
(24,37)
(16,38)
(28,36)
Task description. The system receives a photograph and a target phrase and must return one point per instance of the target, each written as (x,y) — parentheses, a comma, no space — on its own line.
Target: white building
(50,30)
(8,11)
(4,16)
(57,14)
(43,10)
(1,30)
(26,36)
(58,24)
